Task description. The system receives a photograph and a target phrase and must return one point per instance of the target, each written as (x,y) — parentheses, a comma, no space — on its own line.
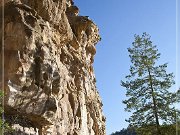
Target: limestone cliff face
(49,79)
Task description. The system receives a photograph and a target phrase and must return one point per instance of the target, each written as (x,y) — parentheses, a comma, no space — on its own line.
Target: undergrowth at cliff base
(5,128)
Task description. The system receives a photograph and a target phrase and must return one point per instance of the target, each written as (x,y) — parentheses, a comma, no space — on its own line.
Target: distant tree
(147,87)
(172,129)
(166,129)
(128,131)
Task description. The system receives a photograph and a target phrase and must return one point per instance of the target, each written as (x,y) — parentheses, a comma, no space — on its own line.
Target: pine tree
(147,87)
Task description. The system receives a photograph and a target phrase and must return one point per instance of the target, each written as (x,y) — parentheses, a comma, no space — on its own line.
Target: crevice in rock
(51,105)
(71,101)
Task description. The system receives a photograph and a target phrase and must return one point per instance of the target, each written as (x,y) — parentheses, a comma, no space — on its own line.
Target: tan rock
(49,79)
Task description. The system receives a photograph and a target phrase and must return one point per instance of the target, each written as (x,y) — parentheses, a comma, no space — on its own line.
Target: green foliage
(165,130)
(150,130)
(4,126)
(147,87)
(128,131)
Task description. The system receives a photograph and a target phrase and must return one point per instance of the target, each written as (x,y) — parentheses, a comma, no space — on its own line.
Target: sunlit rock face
(49,79)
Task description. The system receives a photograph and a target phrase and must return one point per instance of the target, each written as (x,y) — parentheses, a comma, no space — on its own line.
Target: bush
(4,126)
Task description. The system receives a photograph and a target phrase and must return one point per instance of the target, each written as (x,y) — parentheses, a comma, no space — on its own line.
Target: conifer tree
(147,87)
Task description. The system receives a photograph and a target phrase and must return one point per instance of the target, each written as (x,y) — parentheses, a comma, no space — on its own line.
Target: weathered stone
(49,79)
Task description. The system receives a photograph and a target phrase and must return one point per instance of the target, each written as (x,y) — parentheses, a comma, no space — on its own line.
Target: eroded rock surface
(49,79)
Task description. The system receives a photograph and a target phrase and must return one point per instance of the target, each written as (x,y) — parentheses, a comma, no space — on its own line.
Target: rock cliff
(49,81)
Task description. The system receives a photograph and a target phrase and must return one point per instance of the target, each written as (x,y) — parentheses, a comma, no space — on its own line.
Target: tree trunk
(154,104)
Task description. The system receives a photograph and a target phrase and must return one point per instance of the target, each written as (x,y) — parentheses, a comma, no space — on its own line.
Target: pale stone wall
(49,79)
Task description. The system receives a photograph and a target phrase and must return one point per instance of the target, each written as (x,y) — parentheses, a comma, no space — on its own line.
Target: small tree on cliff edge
(147,87)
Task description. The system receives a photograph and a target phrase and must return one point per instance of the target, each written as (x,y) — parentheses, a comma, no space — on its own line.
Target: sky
(118,21)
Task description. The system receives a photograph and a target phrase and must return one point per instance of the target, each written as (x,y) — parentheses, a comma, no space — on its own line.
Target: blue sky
(118,21)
